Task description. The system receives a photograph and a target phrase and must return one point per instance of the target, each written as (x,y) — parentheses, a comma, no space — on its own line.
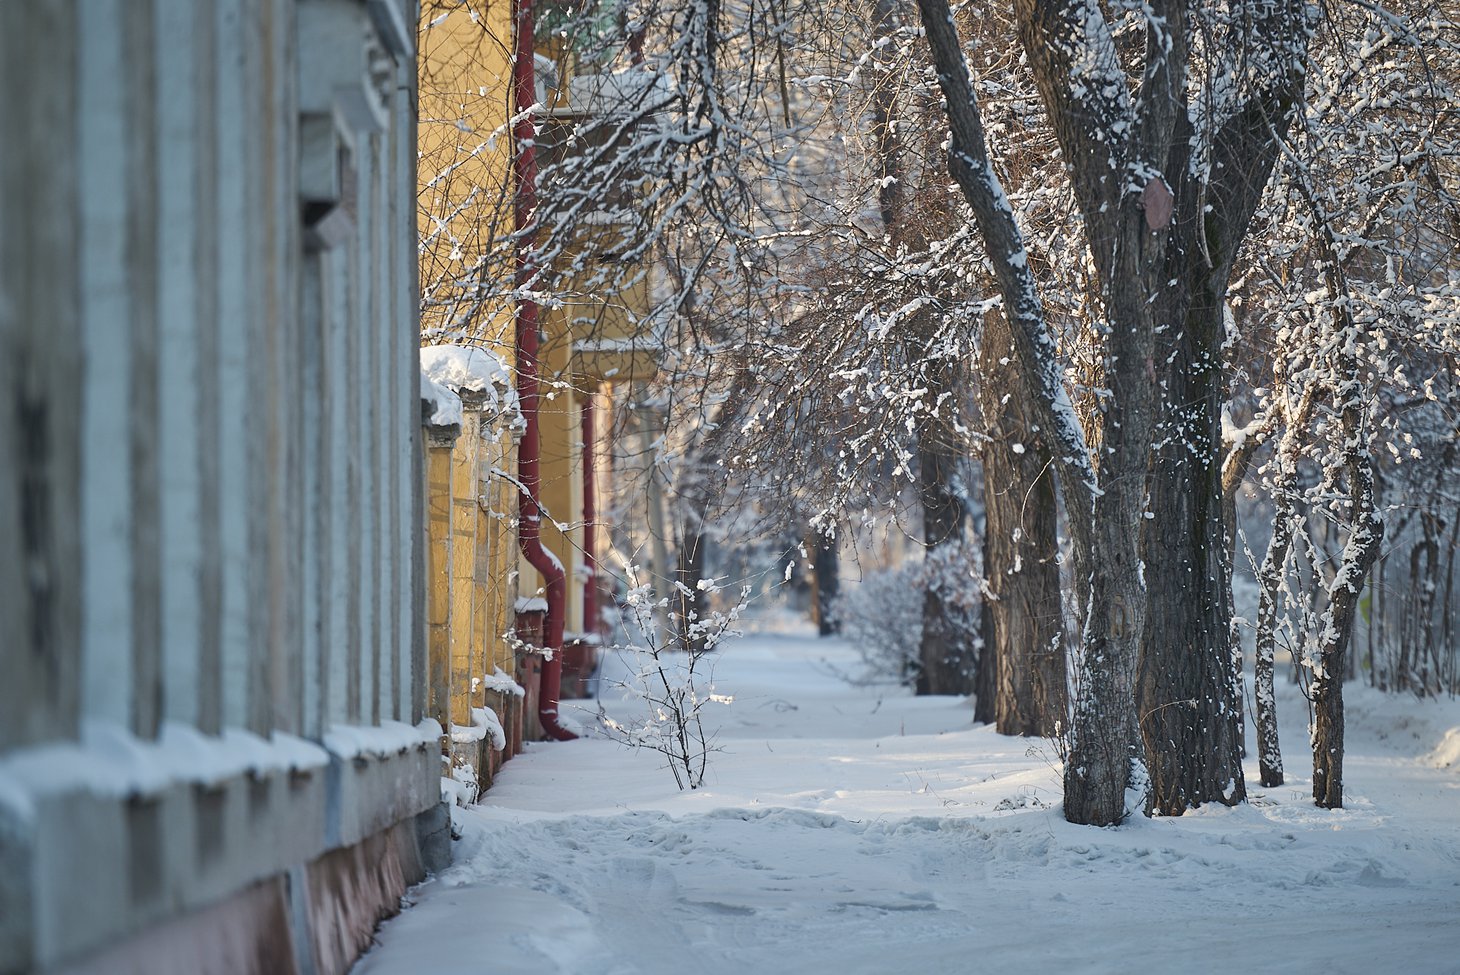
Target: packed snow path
(850,829)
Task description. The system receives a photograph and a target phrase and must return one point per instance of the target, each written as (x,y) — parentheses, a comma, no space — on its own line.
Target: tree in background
(1356,283)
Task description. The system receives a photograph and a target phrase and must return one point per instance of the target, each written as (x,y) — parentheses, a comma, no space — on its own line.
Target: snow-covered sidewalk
(853,829)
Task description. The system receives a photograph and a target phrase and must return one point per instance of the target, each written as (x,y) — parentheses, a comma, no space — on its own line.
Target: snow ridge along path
(856,829)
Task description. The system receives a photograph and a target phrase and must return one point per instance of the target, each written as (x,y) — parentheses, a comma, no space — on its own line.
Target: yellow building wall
(466,226)
(500,495)
(483,632)
(560,464)
(482,555)
(588,341)
(471,553)
(438,577)
(465,170)
(467,647)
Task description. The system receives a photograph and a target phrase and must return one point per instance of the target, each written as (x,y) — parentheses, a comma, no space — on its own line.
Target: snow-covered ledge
(476,376)
(379,775)
(139,831)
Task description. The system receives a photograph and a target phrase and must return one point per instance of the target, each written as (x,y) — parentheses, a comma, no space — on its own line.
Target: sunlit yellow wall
(438,574)
(499,524)
(610,344)
(588,341)
(471,554)
(467,648)
(560,426)
(465,168)
(466,227)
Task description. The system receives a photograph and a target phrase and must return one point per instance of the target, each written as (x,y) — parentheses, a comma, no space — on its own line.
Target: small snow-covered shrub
(883,615)
(671,677)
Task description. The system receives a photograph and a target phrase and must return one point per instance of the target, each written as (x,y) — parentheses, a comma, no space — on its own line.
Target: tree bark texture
(1366,534)
(1188,696)
(946,652)
(1365,527)
(825,568)
(1104,520)
(947,661)
(1270,580)
(1023,637)
(985,672)
(689,570)
(1129,255)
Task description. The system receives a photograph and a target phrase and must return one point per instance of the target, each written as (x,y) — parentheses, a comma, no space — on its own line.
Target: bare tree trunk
(1365,528)
(1270,581)
(985,673)
(1103,734)
(1366,534)
(947,663)
(689,553)
(1098,768)
(1426,588)
(1270,577)
(1188,694)
(826,581)
(1447,666)
(1270,574)
(1024,638)
(1109,133)
(946,653)
(1237,455)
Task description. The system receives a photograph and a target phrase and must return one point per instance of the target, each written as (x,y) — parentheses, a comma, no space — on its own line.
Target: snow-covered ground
(853,829)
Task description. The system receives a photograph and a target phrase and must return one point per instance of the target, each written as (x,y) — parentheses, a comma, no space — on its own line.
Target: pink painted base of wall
(348,892)
(353,889)
(247,934)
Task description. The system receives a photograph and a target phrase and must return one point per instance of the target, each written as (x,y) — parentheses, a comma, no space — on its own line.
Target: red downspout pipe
(590,517)
(591,621)
(529,530)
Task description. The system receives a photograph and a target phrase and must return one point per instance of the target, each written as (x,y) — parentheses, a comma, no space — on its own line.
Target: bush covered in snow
(882,616)
(671,675)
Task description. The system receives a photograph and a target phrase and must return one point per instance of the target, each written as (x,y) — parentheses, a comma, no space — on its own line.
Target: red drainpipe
(590,517)
(529,532)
